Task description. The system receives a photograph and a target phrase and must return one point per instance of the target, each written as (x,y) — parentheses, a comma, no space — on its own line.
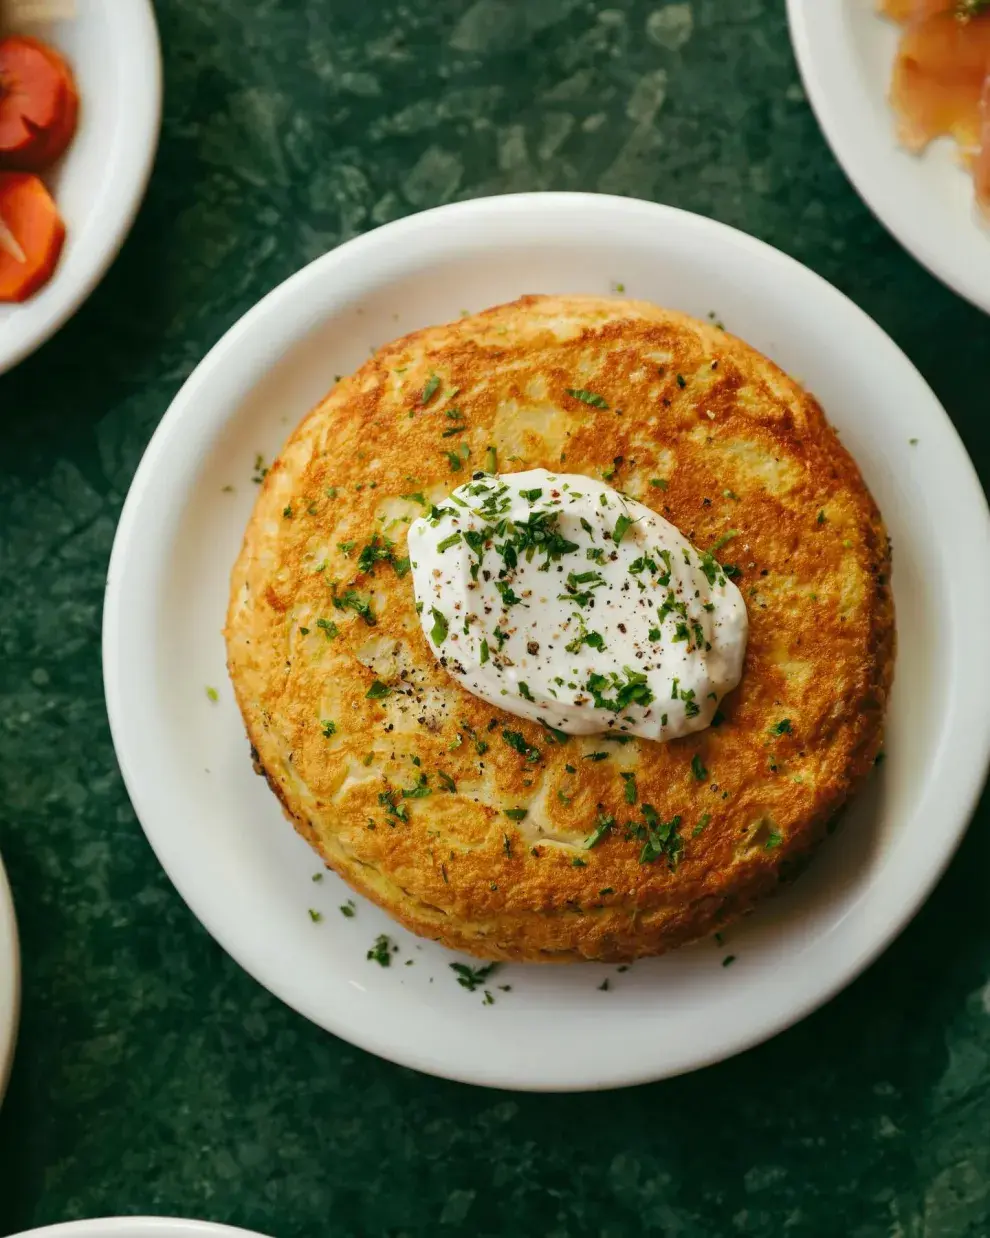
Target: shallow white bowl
(10,980)
(845,51)
(112,46)
(219,831)
(137,1227)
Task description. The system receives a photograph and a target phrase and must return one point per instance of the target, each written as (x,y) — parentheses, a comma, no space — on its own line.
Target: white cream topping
(559,599)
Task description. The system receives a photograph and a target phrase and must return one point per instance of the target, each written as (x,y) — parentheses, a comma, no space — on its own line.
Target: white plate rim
(126,179)
(147,1226)
(10,979)
(838,99)
(973,747)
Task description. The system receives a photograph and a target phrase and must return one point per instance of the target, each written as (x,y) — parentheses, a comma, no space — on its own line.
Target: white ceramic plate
(137,1227)
(846,54)
(10,980)
(112,46)
(218,830)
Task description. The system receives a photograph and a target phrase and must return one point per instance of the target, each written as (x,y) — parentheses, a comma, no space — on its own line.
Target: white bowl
(217,828)
(10,980)
(137,1227)
(845,51)
(112,46)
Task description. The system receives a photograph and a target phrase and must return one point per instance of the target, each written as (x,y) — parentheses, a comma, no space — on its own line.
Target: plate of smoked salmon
(901,89)
(80,108)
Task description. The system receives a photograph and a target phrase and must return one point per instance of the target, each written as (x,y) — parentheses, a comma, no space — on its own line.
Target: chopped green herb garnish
(448,542)
(378,550)
(378,691)
(348,909)
(352,600)
(446,781)
(783,727)
(621,526)
(524,691)
(381,951)
(516,814)
(430,390)
(438,633)
(726,537)
(329,727)
(661,483)
(603,823)
(661,838)
(587,397)
(472,978)
(630,787)
(212,694)
(698,768)
(315,916)
(328,628)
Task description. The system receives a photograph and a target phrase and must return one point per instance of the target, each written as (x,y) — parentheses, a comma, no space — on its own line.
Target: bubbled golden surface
(466,823)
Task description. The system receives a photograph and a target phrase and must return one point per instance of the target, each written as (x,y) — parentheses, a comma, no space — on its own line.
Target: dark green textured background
(152,1074)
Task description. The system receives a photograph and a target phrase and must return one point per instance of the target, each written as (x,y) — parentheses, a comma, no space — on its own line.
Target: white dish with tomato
(80,105)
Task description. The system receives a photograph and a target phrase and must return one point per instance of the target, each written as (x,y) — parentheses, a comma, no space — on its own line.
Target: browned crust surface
(739,446)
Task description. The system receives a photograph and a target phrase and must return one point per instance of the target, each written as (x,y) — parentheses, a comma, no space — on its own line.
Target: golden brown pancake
(406,794)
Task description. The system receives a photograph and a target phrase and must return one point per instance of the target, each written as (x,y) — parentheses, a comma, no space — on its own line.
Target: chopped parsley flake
(472,978)
(430,389)
(621,527)
(587,397)
(516,814)
(448,542)
(329,727)
(381,951)
(661,838)
(698,768)
(438,633)
(328,628)
(783,727)
(352,600)
(603,824)
(378,691)
(380,550)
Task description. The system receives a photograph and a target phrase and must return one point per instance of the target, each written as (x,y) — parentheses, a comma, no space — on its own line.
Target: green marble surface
(152,1074)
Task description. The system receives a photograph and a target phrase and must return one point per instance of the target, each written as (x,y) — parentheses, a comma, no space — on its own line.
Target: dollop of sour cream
(559,599)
